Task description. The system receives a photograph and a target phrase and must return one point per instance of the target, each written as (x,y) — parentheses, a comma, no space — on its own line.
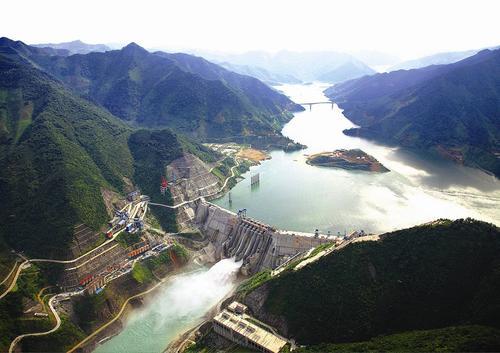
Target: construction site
(91,270)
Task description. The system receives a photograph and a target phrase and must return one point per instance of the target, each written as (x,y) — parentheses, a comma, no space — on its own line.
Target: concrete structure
(233,324)
(260,246)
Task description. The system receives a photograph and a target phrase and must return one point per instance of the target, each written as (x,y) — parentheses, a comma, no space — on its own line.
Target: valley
(249,177)
(223,234)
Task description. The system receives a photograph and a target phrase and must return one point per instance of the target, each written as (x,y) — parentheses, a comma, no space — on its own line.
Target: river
(177,306)
(297,196)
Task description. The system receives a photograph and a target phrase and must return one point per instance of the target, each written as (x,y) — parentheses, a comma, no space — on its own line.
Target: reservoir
(296,196)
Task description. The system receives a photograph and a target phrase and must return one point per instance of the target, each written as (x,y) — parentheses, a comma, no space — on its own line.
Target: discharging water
(297,196)
(178,306)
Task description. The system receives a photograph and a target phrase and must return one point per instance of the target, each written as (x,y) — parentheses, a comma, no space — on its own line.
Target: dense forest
(429,277)
(180,91)
(58,151)
(452,110)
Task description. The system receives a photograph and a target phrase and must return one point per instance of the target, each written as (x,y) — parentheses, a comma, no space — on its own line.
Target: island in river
(354,159)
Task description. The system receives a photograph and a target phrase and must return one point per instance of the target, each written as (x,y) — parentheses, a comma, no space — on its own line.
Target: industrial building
(233,324)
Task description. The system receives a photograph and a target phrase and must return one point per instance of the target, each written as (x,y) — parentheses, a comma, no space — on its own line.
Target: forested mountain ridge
(168,90)
(453,110)
(442,276)
(57,153)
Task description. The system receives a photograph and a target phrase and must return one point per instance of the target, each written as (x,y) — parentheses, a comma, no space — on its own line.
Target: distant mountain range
(158,89)
(271,78)
(450,109)
(435,59)
(375,59)
(306,66)
(75,47)
(349,70)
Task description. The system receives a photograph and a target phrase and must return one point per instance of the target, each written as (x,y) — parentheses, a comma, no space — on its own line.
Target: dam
(257,245)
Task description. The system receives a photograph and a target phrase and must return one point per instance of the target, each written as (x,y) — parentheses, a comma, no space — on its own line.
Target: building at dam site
(234,324)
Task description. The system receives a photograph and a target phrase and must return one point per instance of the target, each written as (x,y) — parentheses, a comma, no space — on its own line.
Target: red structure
(86,280)
(138,251)
(164,185)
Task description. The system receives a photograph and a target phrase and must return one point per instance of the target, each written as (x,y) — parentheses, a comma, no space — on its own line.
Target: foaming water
(179,305)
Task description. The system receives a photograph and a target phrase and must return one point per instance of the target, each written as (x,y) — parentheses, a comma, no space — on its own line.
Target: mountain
(305,66)
(432,287)
(59,153)
(452,110)
(376,59)
(435,59)
(75,47)
(179,91)
(347,71)
(264,75)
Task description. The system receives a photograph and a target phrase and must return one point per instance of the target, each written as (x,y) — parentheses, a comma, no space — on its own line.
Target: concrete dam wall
(260,246)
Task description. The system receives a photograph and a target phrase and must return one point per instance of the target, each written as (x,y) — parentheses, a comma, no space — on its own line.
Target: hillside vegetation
(428,277)
(452,110)
(179,91)
(57,152)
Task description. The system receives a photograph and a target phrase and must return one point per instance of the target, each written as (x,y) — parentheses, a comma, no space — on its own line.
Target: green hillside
(449,339)
(451,109)
(57,151)
(423,278)
(180,91)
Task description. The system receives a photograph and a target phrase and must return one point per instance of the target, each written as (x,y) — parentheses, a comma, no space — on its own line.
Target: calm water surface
(296,196)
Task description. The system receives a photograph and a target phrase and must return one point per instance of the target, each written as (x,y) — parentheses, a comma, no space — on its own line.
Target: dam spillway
(257,245)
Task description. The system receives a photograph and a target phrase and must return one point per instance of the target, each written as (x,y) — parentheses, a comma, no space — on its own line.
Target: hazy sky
(405,28)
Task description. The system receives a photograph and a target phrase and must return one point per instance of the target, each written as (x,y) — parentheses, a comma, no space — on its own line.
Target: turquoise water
(175,308)
(294,195)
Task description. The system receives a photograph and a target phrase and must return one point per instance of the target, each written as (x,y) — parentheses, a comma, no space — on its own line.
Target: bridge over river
(310,104)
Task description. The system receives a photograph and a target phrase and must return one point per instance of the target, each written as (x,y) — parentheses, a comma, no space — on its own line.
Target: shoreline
(179,343)
(109,329)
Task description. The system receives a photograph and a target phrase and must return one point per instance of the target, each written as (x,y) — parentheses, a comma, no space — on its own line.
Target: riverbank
(177,305)
(293,195)
(124,295)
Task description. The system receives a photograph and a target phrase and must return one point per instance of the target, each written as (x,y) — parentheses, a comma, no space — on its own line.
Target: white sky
(405,28)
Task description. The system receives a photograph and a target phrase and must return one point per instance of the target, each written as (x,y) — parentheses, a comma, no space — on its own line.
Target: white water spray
(179,305)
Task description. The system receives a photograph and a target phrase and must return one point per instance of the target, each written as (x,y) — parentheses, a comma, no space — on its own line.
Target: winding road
(51,300)
(16,276)
(55,328)
(12,270)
